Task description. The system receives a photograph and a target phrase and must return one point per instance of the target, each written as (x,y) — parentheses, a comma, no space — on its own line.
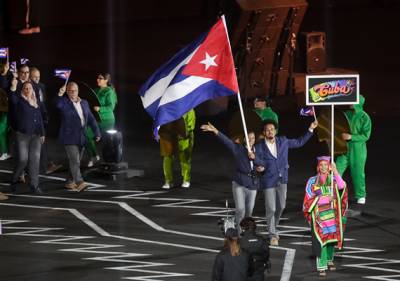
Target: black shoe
(13,187)
(36,190)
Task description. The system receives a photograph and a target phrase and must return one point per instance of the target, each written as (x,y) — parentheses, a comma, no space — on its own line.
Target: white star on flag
(209,61)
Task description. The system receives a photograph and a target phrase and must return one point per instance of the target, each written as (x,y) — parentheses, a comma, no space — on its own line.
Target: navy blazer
(12,114)
(243,169)
(28,119)
(276,169)
(5,81)
(71,130)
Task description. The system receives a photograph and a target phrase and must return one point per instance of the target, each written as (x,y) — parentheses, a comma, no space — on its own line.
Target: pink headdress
(321,159)
(324,158)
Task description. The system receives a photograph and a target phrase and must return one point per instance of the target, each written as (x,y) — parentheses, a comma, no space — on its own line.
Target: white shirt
(78,109)
(272,148)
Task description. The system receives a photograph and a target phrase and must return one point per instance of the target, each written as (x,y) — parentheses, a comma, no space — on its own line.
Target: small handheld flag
(13,67)
(23,61)
(308,111)
(3,53)
(62,73)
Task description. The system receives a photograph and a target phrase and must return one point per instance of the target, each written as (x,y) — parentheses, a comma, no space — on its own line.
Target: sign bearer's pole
(332,142)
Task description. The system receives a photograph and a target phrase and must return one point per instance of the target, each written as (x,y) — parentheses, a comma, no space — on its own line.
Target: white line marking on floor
(102,232)
(288,264)
(99,250)
(92,185)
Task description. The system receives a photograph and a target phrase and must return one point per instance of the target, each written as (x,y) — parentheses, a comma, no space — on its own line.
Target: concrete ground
(132,229)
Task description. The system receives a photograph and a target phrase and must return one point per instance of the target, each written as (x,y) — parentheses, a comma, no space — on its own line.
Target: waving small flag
(23,61)
(62,73)
(3,53)
(307,111)
(13,67)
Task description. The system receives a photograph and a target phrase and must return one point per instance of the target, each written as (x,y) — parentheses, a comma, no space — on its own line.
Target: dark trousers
(74,154)
(28,153)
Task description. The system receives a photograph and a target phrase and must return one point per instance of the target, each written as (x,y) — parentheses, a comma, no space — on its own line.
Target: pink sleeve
(340,182)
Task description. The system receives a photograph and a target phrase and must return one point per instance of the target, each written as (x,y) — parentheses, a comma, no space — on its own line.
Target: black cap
(231,233)
(259,98)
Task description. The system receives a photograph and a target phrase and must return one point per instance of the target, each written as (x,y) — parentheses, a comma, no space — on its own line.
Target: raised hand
(62,90)
(346,136)
(209,128)
(314,125)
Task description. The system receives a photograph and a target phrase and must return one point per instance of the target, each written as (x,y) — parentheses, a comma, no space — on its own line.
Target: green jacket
(267,114)
(360,126)
(108,99)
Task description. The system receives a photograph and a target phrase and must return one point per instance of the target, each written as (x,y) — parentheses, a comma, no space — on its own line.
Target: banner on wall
(332,89)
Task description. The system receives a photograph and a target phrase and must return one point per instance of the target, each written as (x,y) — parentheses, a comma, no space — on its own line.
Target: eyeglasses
(100,78)
(24,72)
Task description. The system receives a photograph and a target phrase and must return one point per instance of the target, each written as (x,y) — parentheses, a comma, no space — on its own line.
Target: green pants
(90,141)
(185,160)
(3,133)
(356,162)
(327,253)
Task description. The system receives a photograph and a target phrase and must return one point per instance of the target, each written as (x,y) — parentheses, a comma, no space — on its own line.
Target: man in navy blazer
(272,159)
(75,118)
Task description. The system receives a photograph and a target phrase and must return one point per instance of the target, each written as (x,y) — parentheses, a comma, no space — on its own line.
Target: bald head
(72,91)
(34,74)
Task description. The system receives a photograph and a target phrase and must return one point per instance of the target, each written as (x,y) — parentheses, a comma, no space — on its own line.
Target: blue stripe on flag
(174,110)
(152,108)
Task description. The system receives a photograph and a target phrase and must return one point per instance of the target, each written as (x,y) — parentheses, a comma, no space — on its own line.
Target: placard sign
(332,89)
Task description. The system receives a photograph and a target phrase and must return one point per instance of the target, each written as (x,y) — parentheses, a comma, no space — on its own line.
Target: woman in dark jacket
(246,180)
(232,262)
(29,134)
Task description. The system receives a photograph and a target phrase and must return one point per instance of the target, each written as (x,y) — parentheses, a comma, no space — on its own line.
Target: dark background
(131,39)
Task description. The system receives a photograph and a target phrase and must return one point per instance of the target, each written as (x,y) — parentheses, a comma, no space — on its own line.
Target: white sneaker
(4,156)
(90,164)
(97,158)
(166,186)
(185,184)
(361,200)
(274,241)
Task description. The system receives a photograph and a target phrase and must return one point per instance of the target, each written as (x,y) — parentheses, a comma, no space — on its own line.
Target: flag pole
(238,94)
(243,122)
(66,80)
(313,110)
(332,142)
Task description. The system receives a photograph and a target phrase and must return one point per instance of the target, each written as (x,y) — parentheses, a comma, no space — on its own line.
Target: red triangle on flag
(213,59)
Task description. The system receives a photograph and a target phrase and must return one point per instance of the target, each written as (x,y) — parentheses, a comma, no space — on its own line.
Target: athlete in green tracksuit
(356,156)
(183,145)
(108,100)
(265,112)
(3,136)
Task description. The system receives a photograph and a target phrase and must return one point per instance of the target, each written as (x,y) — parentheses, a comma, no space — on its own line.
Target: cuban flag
(201,71)
(23,61)
(62,73)
(13,67)
(3,53)
(307,111)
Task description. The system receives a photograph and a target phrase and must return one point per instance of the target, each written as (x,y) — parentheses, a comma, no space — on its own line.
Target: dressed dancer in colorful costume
(325,212)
